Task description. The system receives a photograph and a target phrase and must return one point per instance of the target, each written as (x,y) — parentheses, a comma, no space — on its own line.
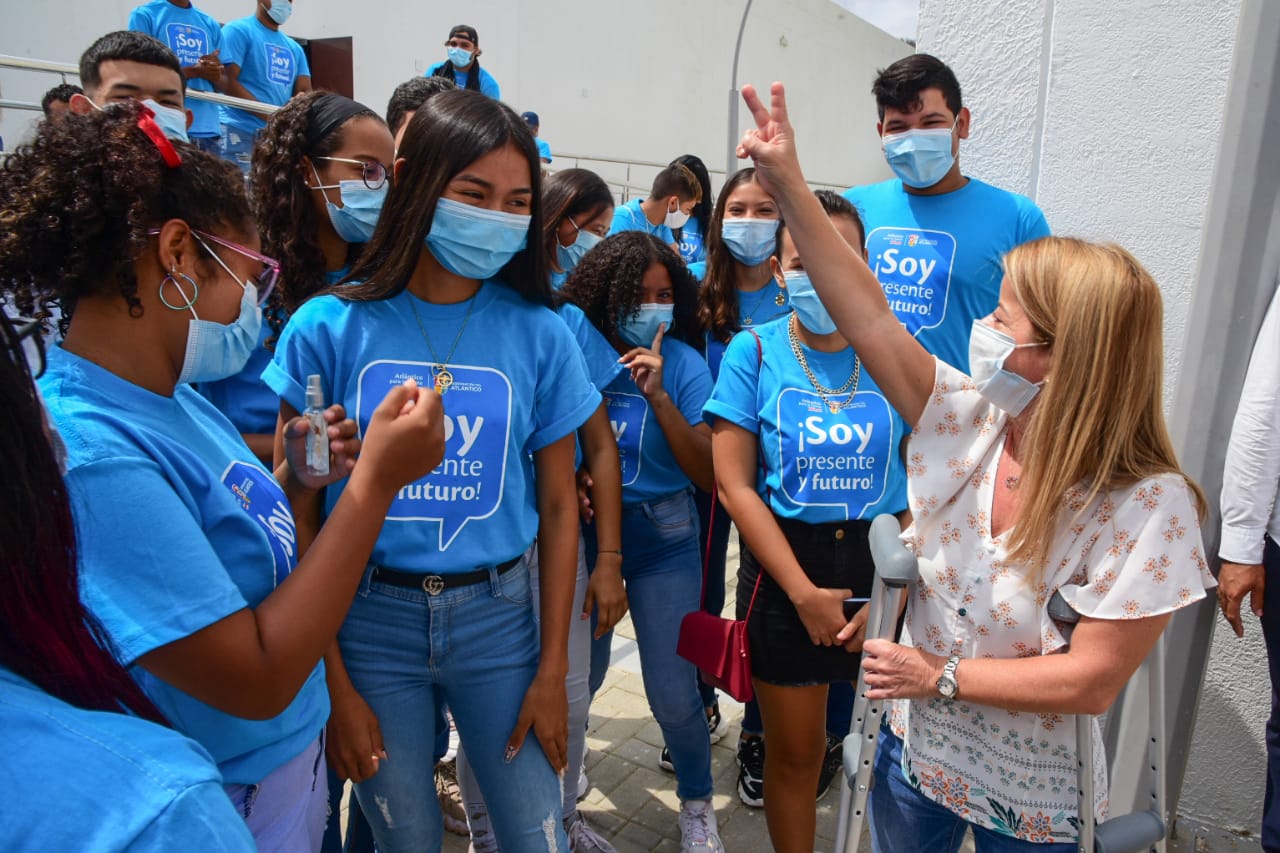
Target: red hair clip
(147,124)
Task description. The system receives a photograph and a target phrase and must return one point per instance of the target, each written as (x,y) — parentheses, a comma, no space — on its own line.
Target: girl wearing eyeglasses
(453,290)
(187,544)
(319,177)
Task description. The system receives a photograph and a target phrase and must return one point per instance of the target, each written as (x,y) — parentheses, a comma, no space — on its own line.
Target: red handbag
(719,647)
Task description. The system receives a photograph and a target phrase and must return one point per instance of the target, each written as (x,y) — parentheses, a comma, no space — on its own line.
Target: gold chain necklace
(850,385)
(780,299)
(440,372)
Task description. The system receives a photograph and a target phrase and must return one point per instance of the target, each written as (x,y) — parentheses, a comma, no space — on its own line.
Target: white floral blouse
(1130,553)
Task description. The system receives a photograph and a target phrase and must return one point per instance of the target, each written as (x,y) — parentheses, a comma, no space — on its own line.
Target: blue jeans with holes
(237,147)
(663,573)
(902,818)
(477,648)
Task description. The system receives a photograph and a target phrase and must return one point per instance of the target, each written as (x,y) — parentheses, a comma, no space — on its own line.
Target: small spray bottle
(318,432)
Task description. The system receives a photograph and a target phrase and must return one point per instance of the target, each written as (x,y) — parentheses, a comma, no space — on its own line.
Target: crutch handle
(895,565)
(1061,611)
(1130,833)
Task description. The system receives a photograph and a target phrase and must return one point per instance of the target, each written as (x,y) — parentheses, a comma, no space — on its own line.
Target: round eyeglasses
(373,173)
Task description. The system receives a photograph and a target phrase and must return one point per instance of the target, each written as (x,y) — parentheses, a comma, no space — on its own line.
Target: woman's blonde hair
(1099,421)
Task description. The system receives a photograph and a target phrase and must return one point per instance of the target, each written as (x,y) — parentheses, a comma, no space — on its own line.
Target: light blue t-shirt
(178,527)
(488,85)
(519,384)
(629,217)
(649,468)
(939,257)
(601,358)
(245,399)
(693,246)
(818,466)
(190,34)
(544,149)
(698,269)
(108,782)
(270,65)
(754,309)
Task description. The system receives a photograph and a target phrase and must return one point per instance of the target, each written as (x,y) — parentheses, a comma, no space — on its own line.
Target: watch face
(947,687)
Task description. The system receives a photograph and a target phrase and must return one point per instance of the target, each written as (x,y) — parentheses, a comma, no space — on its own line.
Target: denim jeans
(476,647)
(663,573)
(902,818)
(208,144)
(575,686)
(237,147)
(286,811)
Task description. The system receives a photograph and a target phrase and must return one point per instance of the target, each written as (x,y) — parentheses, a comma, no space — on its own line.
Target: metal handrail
(68,70)
(655,165)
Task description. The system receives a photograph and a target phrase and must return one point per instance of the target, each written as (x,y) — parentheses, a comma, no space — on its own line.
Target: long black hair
(450,132)
(606,286)
(718,297)
(577,193)
(701,210)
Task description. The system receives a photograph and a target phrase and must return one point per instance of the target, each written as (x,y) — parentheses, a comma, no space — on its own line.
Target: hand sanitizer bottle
(318,432)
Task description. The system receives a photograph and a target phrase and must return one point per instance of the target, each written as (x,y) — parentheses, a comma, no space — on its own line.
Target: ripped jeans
(477,646)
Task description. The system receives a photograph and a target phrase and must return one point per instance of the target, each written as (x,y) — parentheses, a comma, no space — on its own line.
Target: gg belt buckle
(433,584)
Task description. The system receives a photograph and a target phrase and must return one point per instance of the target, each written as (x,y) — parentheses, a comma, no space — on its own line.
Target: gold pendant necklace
(779,300)
(440,374)
(850,385)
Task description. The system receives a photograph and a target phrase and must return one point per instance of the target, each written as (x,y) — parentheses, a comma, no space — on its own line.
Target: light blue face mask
(569,256)
(172,121)
(280,11)
(988,349)
(460,57)
(215,351)
(355,221)
(804,300)
(920,157)
(475,242)
(640,330)
(750,241)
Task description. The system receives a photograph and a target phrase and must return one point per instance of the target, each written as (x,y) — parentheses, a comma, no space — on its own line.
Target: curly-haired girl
(188,552)
(320,170)
(632,288)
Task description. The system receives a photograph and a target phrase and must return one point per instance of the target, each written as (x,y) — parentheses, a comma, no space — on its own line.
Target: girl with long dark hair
(188,551)
(452,290)
(692,236)
(640,296)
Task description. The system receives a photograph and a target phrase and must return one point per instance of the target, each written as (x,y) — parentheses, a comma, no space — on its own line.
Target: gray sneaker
(698,829)
(584,839)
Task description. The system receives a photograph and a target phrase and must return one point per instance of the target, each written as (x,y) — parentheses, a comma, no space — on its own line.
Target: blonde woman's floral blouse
(1128,553)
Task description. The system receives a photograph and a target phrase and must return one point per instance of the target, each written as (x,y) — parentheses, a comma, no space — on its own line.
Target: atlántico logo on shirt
(187,41)
(279,64)
(914,268)
(261,497)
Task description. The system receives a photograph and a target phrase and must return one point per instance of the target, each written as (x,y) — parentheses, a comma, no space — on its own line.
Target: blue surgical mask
(460,57)
(475,242)
(215,351)
(988,349)
(640,330)
(172,121)
(804,300)
(355,220)
(569,256)
(280,11)
(920,157)
(750,241)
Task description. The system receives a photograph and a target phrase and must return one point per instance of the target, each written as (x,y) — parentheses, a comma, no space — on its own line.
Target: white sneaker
(584,839)
(584,786)
(698,830)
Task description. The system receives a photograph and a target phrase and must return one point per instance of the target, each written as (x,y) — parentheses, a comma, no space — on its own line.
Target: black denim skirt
(834,556)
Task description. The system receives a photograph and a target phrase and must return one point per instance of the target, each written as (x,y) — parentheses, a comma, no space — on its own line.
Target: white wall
(1112,120)
(642,81)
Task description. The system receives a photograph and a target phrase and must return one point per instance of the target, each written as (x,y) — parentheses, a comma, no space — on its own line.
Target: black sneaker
(832,762)
(751,771)
(664,761)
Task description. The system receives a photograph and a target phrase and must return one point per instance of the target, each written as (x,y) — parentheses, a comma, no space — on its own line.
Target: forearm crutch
(896,570)
(1136,831)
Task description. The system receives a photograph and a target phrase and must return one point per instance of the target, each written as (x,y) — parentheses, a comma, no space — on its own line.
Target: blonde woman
(1049,469)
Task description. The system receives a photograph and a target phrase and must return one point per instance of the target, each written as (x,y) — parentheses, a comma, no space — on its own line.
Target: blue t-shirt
(939,257)
(698,269)
(190,34)
(108,782)
(629,217)
(693,246)
(544,149)
(818,466)
(488,86)
(178,527)
(754,309)
(519,384)
(270,65)
(601,358)
(649,468)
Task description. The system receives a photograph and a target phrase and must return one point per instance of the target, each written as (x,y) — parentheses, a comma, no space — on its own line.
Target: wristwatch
(947,685)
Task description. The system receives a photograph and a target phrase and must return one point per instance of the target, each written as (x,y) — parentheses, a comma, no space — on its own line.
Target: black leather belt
(436,584)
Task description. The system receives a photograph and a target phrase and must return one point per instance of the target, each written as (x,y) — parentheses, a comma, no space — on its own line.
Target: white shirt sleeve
(1251,477)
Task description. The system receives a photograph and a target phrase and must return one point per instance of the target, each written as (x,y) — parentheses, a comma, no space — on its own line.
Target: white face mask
(988,349)
(676,218)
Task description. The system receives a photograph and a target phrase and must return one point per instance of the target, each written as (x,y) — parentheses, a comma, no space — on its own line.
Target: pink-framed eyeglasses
(264,283)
